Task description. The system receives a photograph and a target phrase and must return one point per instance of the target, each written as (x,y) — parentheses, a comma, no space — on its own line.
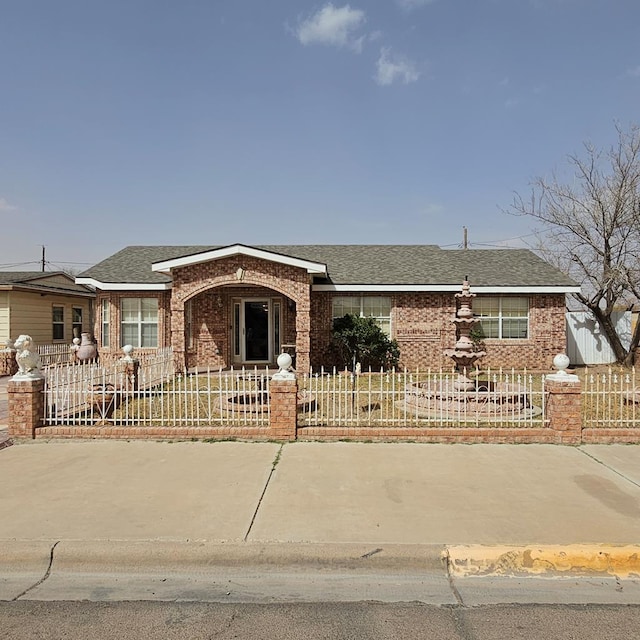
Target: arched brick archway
(215,284)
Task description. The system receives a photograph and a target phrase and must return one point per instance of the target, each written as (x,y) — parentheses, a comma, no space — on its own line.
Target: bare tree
(589,227)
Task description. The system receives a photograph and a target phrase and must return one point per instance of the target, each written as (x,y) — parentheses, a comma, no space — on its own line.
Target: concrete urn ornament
(284,364)
(561,363)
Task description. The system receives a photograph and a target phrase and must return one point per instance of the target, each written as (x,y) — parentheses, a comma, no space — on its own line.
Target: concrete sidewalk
(110,505)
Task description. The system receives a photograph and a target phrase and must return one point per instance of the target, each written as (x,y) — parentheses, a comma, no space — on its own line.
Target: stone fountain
(461,398)
(463,354)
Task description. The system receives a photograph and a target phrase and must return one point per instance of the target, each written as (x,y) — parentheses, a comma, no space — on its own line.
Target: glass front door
(256,330)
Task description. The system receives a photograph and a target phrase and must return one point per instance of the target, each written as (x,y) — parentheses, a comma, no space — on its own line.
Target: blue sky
(292,121)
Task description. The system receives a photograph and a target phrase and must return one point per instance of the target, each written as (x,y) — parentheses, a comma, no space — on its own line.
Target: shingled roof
(352,265)
(51,281)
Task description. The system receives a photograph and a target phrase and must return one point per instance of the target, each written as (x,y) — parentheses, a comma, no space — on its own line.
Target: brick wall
(422,325)
(114,351)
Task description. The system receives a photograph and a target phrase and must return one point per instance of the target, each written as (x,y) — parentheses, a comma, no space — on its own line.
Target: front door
(256,329)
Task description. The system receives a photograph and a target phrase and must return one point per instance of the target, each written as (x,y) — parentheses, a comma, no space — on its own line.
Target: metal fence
(51,354)
(610,398)
(158,396)
(89,394)
(431,398)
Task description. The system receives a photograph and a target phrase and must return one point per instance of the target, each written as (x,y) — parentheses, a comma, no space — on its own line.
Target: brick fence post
(283,408)
(26,407)
(564,409)
(8,364)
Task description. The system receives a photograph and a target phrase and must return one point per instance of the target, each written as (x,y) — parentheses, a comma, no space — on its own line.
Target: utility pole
(465,243)
(43,258)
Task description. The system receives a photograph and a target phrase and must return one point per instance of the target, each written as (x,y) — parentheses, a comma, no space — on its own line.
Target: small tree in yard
(590,229)
(355,339)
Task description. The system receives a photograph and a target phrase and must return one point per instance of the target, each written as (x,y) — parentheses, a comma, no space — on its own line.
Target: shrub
(355,339)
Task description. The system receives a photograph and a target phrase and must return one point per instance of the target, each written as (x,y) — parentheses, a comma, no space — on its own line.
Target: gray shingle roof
(361,264)
(49,280)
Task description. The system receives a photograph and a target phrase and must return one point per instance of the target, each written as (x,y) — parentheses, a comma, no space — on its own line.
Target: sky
(215,122)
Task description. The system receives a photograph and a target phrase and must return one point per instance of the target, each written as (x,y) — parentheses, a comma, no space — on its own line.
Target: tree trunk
(610,333)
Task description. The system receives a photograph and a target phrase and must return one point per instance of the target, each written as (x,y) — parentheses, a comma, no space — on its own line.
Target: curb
(622,561)
(460,561)
(148,556)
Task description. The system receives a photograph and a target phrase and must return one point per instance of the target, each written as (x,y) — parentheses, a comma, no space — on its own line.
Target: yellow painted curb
(478,560)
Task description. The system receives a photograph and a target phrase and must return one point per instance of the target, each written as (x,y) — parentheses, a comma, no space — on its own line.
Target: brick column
(177,331)
(26,407)
(8,364)
(283,408)
(303,333)
(564,409)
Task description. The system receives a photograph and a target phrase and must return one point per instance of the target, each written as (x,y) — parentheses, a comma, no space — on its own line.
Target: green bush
(356,339)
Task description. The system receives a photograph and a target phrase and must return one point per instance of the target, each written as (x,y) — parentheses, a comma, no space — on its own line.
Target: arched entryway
(238,326)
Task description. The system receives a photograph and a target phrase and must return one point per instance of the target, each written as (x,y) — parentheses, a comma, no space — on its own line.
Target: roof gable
(314,268)
(57,281)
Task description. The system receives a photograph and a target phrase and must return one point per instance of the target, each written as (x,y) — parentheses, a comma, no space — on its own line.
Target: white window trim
(105,323)
(500,318)
(140,323)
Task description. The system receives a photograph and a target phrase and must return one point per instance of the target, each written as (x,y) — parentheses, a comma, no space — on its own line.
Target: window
(139,322)
(58,323)
(76,321)
(105,323)
(188,323)
(504,318)
(376,307)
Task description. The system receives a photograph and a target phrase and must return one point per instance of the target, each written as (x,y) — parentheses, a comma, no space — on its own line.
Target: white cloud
(413,4)
(391,67)
(335,26)
(5,206)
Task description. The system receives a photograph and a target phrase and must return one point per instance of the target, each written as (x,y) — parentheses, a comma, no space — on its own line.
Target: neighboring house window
(503,318)
(376,307)
(76,321)
(58,323)
(139,322)
(105,323)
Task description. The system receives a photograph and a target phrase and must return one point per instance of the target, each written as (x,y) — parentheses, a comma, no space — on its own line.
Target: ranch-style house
(223,306)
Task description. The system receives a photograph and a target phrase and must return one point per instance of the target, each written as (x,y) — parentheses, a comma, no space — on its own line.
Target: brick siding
(421,322)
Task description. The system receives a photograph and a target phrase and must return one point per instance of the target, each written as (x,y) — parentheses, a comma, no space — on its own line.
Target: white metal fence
(431,398)
(51,354)
(610,399)
(91,394)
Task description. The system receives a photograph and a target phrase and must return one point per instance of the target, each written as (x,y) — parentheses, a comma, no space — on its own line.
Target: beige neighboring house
(48,306)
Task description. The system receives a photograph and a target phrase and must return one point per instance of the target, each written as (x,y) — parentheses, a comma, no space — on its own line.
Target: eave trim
(124,286)
(439,288)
